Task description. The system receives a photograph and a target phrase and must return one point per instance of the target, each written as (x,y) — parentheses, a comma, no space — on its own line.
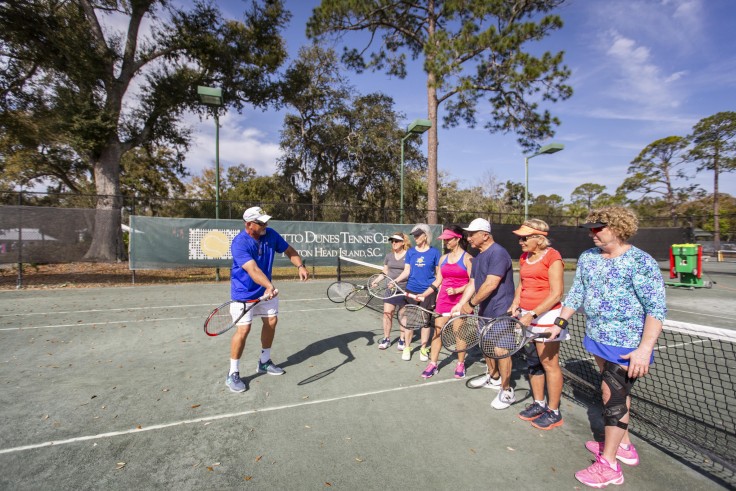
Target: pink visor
(449,234)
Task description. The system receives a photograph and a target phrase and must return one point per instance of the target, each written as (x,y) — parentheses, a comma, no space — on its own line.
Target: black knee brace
(533,364)
(619,384)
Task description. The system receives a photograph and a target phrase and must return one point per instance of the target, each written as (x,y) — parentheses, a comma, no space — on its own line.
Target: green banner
(158,243)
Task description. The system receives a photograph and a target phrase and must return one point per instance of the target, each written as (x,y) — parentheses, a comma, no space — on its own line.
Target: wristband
(534,314)
(472,305)
(301,266)
(434,288)
(560,322)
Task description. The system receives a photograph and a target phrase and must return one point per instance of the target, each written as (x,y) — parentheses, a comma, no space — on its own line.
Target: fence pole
(19,282)
(130,236)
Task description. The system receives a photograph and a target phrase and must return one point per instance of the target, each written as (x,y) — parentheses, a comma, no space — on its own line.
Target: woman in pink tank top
(450,283)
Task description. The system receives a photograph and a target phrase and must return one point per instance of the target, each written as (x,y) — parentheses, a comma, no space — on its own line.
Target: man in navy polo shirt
(253,252)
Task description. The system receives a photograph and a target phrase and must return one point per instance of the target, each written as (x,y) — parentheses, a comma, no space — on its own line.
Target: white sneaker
(504,399)
(406,354)
(424,354)
(486,381)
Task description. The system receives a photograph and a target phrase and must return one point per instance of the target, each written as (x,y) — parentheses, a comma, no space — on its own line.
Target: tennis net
(684,406)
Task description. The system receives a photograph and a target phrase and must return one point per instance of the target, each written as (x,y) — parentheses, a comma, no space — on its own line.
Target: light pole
(212,96)
(416,127)
(551,148)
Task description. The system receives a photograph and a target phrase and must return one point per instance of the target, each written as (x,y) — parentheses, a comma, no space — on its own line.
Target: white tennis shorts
(266,308)
(544,322)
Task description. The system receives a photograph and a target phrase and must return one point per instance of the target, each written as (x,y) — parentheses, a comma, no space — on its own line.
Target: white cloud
(239,144)
(638,78)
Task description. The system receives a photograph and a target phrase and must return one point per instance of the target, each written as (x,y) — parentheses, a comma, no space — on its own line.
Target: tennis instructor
(253,252)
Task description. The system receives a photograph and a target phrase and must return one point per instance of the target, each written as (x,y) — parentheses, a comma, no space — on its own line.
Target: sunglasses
(525,238)
(395,240)
(595,230)
(262,224)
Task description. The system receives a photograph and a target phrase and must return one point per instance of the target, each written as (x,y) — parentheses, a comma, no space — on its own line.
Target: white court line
(216,418)
(125,309)
(134,321)
(700,313)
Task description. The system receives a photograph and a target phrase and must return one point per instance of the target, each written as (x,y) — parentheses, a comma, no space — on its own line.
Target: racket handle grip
(266,297)
(546,334)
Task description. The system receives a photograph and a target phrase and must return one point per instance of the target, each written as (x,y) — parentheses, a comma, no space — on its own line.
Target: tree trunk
(107,237)
(432,141)
(716,218)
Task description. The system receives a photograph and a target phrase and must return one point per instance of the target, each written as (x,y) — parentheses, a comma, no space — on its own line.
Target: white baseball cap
(256,214)
(479,225)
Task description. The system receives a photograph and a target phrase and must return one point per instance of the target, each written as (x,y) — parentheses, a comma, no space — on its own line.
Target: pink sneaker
(628,457)
(430,370)
(600,474)
(460,370)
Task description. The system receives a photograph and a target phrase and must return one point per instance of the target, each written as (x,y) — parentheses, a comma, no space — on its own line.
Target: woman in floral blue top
(621,291)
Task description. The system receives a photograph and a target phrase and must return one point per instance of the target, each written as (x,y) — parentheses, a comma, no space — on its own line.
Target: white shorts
(544,322)
(265,308)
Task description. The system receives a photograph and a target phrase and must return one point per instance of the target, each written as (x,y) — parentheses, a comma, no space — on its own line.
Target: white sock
(265,355)
(234,366)
(542,403)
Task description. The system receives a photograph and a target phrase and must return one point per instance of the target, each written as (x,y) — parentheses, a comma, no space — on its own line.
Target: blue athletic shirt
(494,261)
(243,249)
(423,266)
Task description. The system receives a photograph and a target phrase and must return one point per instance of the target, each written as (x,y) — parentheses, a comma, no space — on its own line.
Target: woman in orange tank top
(537,302)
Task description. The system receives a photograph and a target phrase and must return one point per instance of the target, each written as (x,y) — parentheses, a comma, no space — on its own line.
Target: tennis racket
(505,336)
(462,333)
(415,317)
(383,287)
(339,290)
(357,299)
(222,319)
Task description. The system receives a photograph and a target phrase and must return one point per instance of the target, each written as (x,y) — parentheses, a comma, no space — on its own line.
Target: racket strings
(381,286)
(414,317)
(460,334)
(357,299)
(501,337)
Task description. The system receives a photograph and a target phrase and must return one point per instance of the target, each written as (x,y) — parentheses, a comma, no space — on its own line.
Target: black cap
(593,225)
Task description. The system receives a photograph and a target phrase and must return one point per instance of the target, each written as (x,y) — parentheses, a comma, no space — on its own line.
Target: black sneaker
(532,411)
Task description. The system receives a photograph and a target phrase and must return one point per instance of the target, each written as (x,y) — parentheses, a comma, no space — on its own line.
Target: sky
(641,70)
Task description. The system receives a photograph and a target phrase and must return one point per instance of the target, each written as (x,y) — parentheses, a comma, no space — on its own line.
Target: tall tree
(714,149)
(586,194)
(470,50)
(655,171)
(338,145)
(111,91)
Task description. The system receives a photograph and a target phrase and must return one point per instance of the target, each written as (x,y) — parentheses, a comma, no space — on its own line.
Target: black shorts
(428,303)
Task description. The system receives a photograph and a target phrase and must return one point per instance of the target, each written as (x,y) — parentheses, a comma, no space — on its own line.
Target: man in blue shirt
(491,289)
(253,252)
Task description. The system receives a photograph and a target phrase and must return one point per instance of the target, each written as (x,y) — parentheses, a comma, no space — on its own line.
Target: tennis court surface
(119,388)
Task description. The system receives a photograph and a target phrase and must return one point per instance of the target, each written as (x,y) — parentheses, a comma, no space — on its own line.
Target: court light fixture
(212,96)
(547,149)
(416,127)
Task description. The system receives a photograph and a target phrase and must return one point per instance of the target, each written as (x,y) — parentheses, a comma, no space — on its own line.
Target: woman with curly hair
(620,289)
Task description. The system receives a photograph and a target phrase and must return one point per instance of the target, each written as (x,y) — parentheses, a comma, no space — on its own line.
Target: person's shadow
(340,342)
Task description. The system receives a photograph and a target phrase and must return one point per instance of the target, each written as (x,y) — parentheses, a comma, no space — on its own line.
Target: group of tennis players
(617,286)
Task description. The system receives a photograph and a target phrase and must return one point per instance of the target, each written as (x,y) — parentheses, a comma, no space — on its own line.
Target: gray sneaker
(234,383)
(269,368)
